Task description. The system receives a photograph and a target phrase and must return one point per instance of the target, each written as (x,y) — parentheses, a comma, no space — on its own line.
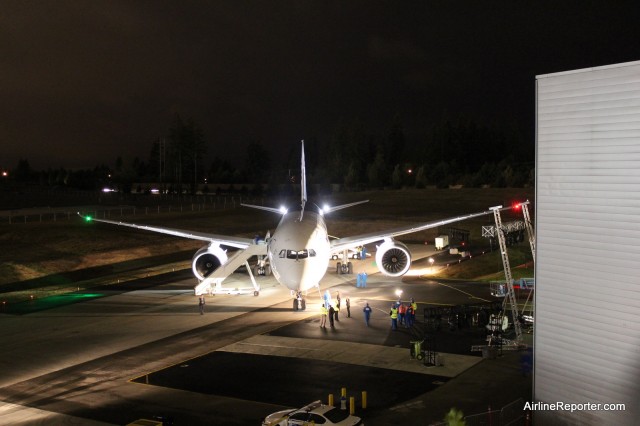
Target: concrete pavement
(68,364)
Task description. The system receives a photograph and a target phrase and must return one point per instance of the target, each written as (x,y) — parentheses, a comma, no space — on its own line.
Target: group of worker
(400,313)
(333,311)
(404,314)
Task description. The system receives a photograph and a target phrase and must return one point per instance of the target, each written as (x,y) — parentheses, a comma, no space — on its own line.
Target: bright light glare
(418,272)
(283,210)
(326,208)
(155,191)
(398,292)
(431,260)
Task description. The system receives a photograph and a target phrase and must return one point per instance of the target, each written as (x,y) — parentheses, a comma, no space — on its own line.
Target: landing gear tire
(255,293)
(339,268)
(299,305)
(350,268)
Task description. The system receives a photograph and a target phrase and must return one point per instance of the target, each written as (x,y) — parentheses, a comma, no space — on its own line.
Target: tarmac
(89,362)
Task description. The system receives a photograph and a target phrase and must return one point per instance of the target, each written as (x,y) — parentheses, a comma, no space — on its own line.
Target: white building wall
(587,334)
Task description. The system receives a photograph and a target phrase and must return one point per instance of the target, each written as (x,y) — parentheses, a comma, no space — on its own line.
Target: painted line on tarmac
(463,292)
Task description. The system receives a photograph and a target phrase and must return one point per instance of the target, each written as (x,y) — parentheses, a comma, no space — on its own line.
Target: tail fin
(303,193)
(303,183)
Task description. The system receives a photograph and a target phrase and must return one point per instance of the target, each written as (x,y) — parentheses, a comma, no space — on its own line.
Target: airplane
(297,253)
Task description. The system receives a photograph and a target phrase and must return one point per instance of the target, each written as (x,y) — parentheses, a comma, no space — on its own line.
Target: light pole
(399,294)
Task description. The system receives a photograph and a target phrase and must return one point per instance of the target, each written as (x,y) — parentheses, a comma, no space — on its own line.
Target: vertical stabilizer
(303,183)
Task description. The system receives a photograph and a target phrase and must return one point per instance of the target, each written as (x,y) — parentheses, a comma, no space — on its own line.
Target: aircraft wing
(238,242)
(358,240)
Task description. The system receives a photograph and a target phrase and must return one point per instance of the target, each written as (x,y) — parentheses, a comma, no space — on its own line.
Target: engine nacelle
(207,259)
(393,258)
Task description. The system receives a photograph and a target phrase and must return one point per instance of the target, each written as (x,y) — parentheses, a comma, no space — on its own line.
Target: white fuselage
(299,250)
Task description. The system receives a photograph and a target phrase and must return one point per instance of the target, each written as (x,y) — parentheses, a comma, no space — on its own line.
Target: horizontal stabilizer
(329,209)
(281,210)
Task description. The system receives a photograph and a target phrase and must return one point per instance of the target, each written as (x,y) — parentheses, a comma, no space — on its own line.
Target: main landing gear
(344,268)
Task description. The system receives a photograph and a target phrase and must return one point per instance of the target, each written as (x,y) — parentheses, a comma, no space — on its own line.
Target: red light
(516,206)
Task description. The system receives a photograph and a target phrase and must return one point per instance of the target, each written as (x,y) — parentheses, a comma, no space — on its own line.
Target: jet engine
(206,260)
(393,258)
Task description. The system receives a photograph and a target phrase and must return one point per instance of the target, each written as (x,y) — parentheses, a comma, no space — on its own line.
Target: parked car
(314,413)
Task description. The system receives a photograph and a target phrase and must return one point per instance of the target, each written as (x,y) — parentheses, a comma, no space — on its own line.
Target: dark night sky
(82,82)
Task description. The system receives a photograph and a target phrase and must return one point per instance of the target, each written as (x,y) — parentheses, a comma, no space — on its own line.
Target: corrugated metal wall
(587,335)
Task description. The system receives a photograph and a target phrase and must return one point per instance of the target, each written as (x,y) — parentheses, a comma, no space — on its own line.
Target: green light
(88,218)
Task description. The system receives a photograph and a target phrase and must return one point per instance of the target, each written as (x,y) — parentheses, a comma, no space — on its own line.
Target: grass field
(41,250)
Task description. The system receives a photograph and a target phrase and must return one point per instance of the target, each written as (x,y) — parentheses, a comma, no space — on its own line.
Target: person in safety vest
(323,316)
(402,309)
(414,309)
(393,313)
(408,317)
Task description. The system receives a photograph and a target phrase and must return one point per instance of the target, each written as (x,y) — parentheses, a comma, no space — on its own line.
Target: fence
(210,203)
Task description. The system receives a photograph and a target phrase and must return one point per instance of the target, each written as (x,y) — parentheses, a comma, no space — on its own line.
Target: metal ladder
(527,224)
(511,295)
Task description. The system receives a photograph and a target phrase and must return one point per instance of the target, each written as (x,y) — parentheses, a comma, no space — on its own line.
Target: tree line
(454,152)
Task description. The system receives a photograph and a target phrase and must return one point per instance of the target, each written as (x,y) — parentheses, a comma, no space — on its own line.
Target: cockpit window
(297,254)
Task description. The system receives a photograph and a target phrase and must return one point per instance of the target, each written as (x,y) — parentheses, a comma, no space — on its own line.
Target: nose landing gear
(299,304)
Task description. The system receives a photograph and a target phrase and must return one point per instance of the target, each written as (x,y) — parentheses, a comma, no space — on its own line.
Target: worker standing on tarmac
(337,308)
(402,309)
(348,303)
(414,309)
(331,314)
(323,316)
(393,313)
(408,317)
(201,305)
(367,314)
